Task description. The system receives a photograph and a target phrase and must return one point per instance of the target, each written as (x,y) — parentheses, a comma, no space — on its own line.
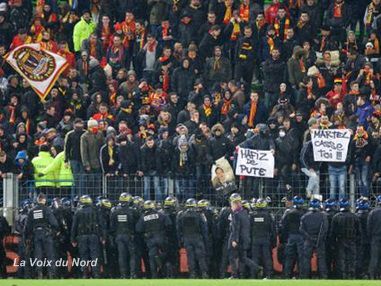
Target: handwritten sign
(330,145)
(255,163)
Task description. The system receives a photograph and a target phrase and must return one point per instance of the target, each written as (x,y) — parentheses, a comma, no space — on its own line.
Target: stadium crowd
(162,89)
(159,90)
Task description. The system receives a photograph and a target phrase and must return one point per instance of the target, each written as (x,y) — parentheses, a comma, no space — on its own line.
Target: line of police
(118,239)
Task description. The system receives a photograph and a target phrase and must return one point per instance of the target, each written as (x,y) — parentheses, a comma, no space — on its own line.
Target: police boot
(205,275)
(192,275)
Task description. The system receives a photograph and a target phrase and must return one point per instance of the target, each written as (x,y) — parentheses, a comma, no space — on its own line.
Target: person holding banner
(310,168)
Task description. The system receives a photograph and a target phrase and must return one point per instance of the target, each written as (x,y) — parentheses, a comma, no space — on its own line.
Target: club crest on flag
(41,68)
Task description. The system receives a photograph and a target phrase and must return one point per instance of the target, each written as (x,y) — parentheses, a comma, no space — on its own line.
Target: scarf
(302,66)
(270,42)
(253,111)
(294,4)
(85,67)
(244,12)
(278,27)
(217,64)
(300,24)
(113,98)
(141,38)
(228,13)
(236,31)
(207,110)
(151,47)
(361,138)
(323,42)
(183,157)
(226,106)
(165,30)
(12,117)
(128,29)
(127,110)
(337,10)
(27,126)
(369,16)
(165,74)
(110,150)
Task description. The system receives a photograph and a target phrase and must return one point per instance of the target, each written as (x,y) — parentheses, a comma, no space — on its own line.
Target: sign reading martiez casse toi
(330,145)
(255,163)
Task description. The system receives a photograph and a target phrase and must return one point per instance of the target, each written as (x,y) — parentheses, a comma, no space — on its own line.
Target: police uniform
(122,224)
(345,231)
(223,223)
(263,238)
(40,226)
(314,227)
(87,229)
(290,224)
(173,243)
(154,226)
(192,231)
(4,230)
(363,248)
(240,233)
(374,232)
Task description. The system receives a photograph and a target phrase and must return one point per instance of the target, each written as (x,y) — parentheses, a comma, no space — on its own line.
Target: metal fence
(158,187)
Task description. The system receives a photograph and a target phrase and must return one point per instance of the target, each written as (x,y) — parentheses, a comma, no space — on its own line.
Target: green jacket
(39,163)
(62,173)
(82,31)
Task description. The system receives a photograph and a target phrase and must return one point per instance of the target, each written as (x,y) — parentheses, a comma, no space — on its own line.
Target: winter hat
(92,123)
(93,63)
(110,131)
(21,155)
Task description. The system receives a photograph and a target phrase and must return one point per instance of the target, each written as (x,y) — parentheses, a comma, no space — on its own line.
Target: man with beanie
(91,142)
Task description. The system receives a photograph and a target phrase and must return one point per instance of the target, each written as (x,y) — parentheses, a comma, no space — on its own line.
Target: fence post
(352,190)
(10,197)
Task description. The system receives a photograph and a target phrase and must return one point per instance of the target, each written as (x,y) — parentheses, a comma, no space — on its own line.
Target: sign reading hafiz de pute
(330,145)
(255,163)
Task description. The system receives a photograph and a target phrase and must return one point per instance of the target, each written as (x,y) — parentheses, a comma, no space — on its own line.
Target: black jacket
(274,73)
(73,145)
(128,158)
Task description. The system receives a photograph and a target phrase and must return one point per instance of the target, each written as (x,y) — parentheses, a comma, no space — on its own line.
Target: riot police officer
(363,248)
(86,232)
(290,233)
(170,210)
(345,231)
(24,249)
(212,245)
(223,223)
(62,240)
(122,225)
(239,238)
(314,227)
(331,208)
(374,232)
(192,231)
(40,226)
(154,225)
(263,236)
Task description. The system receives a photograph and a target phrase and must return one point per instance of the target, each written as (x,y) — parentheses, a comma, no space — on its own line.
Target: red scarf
(278,26)
(244,12)
(226,106)
(337,10)
(253,111)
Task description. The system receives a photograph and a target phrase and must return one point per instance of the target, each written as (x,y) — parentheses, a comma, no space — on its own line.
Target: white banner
(255,163)
(330,145)
(39,67)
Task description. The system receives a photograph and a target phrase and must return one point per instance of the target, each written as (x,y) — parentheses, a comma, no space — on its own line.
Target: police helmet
(261,203)
(170,201)
(138,201)
(56,203)
(105,203)
(344,204)
(246,204)
(330,204)
(41,199)
(235,197)
(66,202)
(378,199)
(253,201)
(125,198)
(85,200)
(362,204)
(297,201)
(315,204)
(25,204)
(203,203)
(191,203)
(149,205)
